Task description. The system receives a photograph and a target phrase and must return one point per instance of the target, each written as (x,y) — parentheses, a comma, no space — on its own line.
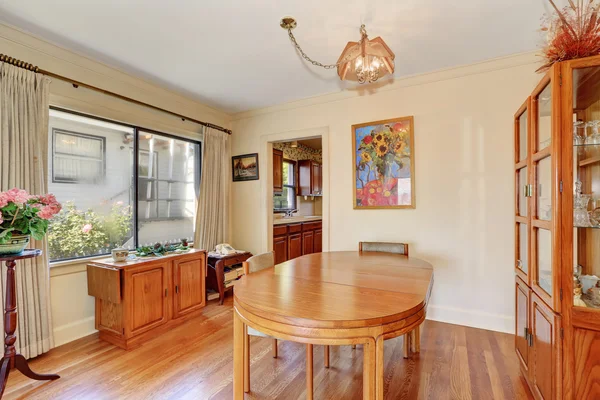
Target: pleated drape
(24,108)
(213,200)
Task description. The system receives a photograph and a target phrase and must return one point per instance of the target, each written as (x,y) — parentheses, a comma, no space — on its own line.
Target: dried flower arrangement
(573,32)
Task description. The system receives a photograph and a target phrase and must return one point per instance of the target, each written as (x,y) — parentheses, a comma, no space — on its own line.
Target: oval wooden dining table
(333,298)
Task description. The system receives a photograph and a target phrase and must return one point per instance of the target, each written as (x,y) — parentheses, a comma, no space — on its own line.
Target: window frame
(292,187)
(83,135)
(135,170)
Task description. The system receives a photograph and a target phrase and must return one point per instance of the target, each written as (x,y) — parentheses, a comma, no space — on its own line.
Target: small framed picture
(244,167)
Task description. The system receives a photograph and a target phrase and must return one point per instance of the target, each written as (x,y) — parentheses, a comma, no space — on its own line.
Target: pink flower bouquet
(25,214)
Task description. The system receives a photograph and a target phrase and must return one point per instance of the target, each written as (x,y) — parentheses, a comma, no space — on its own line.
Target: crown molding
(495,64)
(52,57)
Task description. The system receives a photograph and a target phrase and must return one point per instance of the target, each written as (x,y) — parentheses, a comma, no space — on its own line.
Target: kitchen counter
(297,219)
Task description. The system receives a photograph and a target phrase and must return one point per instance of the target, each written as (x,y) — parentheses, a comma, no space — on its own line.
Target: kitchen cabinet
(310,178)
(280,247)
(296,239)
(137,300)
(277,171)
(308,242)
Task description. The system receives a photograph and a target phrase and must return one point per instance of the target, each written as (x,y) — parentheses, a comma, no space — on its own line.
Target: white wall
(464,218)
(72,308)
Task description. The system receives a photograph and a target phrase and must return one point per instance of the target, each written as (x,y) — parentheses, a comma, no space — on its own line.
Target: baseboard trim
(74,330)
(471,318)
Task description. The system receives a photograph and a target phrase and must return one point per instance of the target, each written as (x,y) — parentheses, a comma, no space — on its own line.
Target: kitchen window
(286,200)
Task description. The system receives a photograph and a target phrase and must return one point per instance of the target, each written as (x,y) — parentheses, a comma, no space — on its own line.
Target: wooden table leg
(326,355)
(238,357)
(11,358)
(406,339)
(309,372)
(379,368)
(369,371)
(415,340)
(246,360)
(274,348)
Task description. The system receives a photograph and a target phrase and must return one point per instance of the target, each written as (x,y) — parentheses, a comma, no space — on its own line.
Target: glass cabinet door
(585,183)
(522,190)
(545,134)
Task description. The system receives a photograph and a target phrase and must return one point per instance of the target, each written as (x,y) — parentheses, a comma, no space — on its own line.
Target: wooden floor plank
(194,361)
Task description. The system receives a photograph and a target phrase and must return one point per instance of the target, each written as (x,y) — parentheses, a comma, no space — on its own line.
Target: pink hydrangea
(17,196)
(3,199)
(86,228)
(1,220)
(49,211)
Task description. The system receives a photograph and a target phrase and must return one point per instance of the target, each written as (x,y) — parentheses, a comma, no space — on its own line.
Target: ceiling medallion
(364,61)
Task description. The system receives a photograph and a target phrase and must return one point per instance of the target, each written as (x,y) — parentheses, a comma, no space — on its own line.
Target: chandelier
(363,61)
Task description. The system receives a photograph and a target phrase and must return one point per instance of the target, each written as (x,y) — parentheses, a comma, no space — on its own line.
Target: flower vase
(15,245)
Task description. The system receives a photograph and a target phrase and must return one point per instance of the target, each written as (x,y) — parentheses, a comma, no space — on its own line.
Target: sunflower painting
(384,164)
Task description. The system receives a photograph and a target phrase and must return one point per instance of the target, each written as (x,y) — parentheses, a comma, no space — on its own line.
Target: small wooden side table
(215,272)
(11,359)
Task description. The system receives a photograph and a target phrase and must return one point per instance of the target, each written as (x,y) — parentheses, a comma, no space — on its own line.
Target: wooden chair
(412,340)
(255,264)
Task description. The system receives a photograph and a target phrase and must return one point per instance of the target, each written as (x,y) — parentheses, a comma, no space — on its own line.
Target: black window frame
(135,175)
(290,187)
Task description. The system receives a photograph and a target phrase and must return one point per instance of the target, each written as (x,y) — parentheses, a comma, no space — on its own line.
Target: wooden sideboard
(297,239)
(137,300)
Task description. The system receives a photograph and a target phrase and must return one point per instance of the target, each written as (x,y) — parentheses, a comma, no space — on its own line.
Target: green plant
(159,250)
(76,233)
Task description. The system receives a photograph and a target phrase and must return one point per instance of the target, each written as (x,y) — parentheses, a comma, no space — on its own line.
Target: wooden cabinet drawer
(104,283)
(295,228)
(279,230)
(311,226)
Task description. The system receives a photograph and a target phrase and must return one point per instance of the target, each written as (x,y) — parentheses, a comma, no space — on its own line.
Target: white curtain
(212,215)
(24,112)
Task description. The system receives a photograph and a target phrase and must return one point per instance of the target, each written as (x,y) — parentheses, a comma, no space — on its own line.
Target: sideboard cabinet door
(147,290)
(188,279)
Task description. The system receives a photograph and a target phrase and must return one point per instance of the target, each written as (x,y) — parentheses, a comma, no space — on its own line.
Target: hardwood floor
(194,361)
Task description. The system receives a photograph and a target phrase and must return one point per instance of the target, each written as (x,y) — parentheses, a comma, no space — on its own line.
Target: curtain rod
(76,84)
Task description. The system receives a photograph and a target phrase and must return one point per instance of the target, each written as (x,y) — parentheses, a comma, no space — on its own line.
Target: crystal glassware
(578,133)
(581,218)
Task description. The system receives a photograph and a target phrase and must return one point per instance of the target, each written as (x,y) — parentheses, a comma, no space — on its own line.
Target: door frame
(266,164)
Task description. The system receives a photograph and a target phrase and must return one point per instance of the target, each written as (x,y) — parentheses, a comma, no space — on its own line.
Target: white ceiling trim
(495,64)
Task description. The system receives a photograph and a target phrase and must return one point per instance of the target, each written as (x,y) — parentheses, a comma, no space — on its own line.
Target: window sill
(58,268)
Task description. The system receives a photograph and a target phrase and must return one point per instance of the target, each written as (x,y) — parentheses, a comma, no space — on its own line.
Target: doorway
(302,138)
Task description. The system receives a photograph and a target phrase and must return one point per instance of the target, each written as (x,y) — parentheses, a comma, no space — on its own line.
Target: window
(286,200)
(108,200)
(167,186)
(77,157)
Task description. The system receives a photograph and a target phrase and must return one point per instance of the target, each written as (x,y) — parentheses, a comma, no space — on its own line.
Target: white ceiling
(232,54)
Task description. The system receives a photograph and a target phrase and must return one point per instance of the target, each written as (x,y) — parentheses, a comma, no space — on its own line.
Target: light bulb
(375,64)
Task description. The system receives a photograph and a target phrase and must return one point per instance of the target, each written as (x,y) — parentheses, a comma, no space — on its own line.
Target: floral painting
(384,164)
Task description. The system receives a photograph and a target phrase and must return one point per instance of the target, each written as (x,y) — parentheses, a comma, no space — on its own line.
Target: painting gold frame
(410,120)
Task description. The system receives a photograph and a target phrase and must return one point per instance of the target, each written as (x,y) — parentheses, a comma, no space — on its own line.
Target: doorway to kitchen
(295,211)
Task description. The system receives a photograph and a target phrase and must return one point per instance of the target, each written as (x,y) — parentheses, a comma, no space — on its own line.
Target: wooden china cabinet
(557,226)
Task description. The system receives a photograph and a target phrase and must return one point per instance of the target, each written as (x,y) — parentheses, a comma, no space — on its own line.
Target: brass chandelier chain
(363,33)
(306,57)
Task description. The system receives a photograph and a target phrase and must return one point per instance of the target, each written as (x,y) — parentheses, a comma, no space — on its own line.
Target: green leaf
(6,232)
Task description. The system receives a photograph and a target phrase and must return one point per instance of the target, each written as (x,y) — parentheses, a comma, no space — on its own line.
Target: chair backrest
(397,248)
(259,262)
